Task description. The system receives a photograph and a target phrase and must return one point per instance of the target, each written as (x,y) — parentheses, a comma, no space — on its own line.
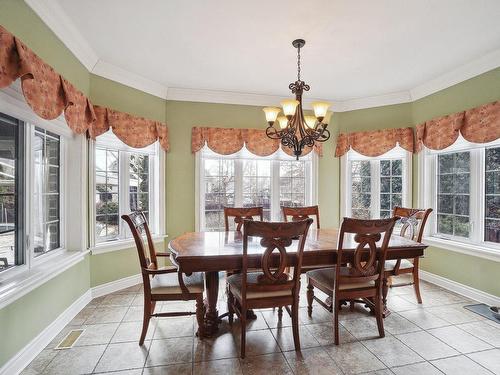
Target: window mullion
(477,196)
(375,188)
(275,190)
(238,183)
(123,189)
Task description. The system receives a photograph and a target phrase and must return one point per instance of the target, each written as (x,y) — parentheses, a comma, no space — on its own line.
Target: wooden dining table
(213,252)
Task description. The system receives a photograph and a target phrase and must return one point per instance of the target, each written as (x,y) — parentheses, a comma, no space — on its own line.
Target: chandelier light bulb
(320,109)
(283,121)
(310,121)
(271,114)
(289,107)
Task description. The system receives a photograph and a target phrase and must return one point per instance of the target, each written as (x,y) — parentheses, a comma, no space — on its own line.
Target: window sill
(464,248)
(108,247)
(17,284)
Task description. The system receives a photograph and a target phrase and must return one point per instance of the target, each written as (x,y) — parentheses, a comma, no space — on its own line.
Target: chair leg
(310,297)
(243,320)
(336,308)
(230,309)
(280,313)
(385,290)
(200,316)
(295,325)
(148,306)
(378,314)
(416,280)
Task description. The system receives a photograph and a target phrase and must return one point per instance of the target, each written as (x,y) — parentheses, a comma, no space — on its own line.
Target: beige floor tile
(222,366)
(134,314)
(267,364)
(123,356)
(111,314)
(392,352)
(174,327)
(460,340)
(423,368)
(132,289)
(363,328)
(258,343)
(96,334)
(82,316)
(137,371)
(80,360)
(41,361)
(170,351)
(271,318)
(220,347)
(489,359)
(455,314)
(254,324)
(177,369)
(424,319)
(284,337)
(484,331)
(311,361)
(460,365)
(118,300)
(426,345)
(319,315)
(398,303)
(323,333)
(354,358)
(131,331)
(396,324)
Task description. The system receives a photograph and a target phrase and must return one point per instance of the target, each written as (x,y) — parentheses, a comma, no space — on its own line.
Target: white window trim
(20,280)
(345,178)
(311,192)
(157,206)
(426,198)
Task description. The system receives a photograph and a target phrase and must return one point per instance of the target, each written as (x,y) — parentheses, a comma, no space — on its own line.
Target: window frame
(427,172)
(346,179)
(311,175)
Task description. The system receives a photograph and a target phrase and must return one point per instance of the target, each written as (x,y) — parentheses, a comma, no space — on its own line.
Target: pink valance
(226,141)
(478,125)
(375,143)
(49,94)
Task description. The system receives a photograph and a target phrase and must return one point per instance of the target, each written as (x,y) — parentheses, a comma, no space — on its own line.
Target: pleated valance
(375,143)
(49,94)
(226,141)
(477,125)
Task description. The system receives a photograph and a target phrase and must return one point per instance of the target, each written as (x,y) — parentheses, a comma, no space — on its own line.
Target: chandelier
(297,131)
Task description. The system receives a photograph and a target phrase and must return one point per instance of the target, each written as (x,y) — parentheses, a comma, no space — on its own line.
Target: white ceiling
(354,49)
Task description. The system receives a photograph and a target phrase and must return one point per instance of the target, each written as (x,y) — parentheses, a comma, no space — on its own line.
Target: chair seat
(326,278)
(390,264)
(234,282)
(168,283)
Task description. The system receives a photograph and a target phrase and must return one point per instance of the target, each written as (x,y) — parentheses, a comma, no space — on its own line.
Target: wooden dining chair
(272,286)
(413,222)
(301,213)
(357,275)
(163,284)
(241,213)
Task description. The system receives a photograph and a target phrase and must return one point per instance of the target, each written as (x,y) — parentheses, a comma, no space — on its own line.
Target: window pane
(391,186)
(292,183)
(453,194)
(361,188)
(138,182)
(46,198)
(219,191)
(492,191)
(107,194)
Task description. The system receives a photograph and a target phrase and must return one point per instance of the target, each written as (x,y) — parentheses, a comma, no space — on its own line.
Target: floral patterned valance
(478,125)
(49,94)
(226,141)
(375,143)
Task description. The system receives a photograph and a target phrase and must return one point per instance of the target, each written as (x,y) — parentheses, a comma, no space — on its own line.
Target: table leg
(212,315)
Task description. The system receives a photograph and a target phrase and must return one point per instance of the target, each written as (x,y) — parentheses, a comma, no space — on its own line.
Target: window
(372,187)
(125,180)
(246,180)
(462,184)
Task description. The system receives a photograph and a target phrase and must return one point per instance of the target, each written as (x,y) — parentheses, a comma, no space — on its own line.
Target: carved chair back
(242,213)
(275,236)
(413,221)
(301,213)
(366,264)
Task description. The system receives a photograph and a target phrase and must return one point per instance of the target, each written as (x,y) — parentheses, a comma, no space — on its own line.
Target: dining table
(213,252)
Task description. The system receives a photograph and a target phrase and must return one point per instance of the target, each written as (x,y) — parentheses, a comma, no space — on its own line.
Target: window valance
(49,94)
(477,125)
(226,141)
(375,143)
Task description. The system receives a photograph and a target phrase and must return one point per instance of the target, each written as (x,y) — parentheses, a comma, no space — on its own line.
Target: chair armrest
(170,269)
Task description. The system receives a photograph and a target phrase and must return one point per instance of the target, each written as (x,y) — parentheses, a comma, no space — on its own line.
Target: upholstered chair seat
(405,263)
(169,283)
(326,278)
(235,282)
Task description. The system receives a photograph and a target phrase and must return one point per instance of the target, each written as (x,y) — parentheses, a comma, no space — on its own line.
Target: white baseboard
(464,290)
(114,286)
(20,360)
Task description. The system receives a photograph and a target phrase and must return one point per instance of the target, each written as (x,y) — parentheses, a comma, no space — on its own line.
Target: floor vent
(70,339)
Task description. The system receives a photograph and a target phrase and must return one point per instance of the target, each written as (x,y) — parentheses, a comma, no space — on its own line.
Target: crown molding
(60,23)
(125,77)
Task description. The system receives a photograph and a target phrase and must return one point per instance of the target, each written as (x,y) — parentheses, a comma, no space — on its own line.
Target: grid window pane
(361,188)
(139,182)
(391,186)
(453,200)
(292,183)
(492,195)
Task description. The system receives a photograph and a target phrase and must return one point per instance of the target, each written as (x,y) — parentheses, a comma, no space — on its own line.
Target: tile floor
(438,337)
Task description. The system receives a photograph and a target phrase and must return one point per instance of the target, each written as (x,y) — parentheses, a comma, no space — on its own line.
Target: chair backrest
(366,264)
(275,236)
(301,213)
(139,226)
(241,213)
(413,221)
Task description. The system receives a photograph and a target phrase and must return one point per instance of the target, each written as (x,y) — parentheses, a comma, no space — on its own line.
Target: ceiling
(354,49)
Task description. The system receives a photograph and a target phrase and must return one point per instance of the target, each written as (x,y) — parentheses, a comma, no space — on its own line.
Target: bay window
(462,184)
(246,180)
(373,186)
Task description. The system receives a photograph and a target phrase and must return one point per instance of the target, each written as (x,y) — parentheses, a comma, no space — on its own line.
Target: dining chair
(271,286)
(413,222)
(357,275)
(301,213)
(241,213)
(166,283)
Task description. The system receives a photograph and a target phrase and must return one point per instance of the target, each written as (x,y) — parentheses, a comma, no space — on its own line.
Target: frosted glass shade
(283,122)
(289,106)
(271,113)
(310,121)
(328,117)
(320,109)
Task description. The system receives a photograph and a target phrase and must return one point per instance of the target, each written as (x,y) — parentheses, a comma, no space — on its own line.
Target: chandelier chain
(298,63)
